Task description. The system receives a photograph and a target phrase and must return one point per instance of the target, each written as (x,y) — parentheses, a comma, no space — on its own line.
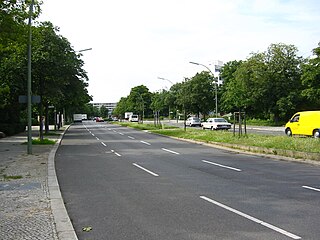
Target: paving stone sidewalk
(25,209)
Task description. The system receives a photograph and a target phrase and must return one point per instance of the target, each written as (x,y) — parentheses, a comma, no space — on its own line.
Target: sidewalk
(28,210)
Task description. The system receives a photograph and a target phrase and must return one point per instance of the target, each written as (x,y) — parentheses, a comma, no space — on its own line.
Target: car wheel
(316,133)
(288,132)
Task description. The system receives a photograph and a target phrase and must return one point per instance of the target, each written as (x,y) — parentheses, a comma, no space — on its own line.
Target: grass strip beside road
(279,145)
(308,145)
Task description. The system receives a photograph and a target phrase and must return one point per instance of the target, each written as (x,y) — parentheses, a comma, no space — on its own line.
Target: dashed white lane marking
(146,170)
(223,166)
(103,144)
(170,151)
(121,133)
(131,137)
(92,134)
(311,188)
(288,234)
(115,153)
(97,138)
(145,143)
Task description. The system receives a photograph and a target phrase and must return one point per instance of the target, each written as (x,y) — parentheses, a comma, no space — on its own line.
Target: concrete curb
(62,221)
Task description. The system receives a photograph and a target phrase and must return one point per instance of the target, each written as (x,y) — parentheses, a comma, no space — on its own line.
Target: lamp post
(216,88)
(165,79)
(29,91)
(83,50)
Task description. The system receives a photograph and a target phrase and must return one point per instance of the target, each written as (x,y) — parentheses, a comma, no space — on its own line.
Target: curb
(64,227)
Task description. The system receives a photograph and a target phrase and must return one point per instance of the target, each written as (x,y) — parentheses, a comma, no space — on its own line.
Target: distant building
(109,106)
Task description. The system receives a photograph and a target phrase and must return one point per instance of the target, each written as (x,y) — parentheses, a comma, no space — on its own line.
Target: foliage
(266,84)
(57,73)
(311,79)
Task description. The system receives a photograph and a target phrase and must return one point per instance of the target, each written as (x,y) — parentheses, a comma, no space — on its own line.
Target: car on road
(99,119)
(216,124)
(193,121)
(134,118)
(305,123)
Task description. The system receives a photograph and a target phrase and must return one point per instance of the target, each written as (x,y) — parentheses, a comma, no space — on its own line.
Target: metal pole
(216,84)
(29,91)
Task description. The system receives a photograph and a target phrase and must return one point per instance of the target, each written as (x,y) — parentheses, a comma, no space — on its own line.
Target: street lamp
(161,78)
(165,79)
(83,50)
(216,89)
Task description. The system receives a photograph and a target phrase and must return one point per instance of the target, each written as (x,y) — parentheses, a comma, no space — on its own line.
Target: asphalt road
(130,184)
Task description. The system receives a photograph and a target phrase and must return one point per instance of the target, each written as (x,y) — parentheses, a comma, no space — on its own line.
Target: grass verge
(308,145)
(278,145)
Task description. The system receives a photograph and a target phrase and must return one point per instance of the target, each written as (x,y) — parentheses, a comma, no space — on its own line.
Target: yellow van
(304,123)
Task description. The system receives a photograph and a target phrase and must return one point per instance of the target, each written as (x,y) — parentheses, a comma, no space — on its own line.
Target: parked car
(304,123)
(216,124)
(99,119)
(134,118)
(193,121)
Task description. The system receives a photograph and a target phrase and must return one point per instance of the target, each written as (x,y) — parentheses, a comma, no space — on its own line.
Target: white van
(134,118)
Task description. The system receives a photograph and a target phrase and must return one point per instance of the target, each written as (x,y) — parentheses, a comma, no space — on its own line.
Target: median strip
(272,227)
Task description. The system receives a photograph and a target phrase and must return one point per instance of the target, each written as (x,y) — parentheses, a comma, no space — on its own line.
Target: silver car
(193,121)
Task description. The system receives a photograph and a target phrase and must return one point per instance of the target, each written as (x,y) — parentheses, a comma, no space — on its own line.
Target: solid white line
(146,170)
(103,144)
(170,151)
(288,234)
(145,143)
(311,188)
(131,137)
(223,166)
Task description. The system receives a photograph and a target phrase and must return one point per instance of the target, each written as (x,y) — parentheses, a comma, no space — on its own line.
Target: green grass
(6,177)
(308,145)
(144,126)
(45,141)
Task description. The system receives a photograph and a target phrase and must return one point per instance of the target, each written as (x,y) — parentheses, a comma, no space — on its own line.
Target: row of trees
(57,70)
(268,85)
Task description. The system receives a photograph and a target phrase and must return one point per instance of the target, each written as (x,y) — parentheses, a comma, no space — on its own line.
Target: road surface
(130,184)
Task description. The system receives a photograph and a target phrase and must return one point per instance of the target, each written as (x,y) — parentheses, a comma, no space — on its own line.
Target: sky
(136,41)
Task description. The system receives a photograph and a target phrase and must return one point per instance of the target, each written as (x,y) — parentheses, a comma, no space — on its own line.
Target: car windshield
(220,120)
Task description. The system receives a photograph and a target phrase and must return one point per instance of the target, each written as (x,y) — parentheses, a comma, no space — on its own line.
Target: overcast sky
(136,41)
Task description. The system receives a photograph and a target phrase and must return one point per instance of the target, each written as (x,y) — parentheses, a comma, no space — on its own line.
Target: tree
(201,93)
(266,84)
(121,108)
(139,100)
(284,80)
(311,79)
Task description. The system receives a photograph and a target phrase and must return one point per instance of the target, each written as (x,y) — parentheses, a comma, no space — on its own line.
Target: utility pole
(29,91)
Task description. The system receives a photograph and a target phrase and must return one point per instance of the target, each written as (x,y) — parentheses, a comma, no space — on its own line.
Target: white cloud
(134,42)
